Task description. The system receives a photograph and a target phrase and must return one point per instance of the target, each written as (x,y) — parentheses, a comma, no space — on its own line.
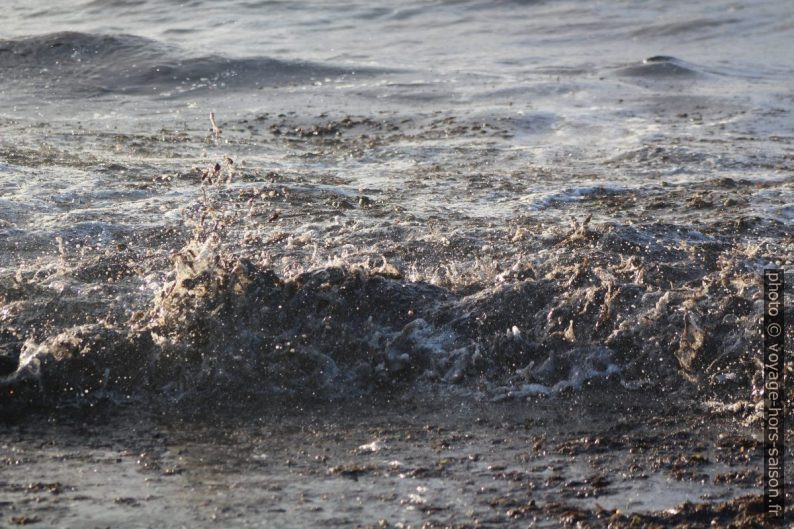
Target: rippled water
(388,199)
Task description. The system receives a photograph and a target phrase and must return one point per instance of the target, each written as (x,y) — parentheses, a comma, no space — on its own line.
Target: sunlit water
(442,148)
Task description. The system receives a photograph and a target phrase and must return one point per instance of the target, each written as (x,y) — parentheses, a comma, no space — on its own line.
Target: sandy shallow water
(585,461)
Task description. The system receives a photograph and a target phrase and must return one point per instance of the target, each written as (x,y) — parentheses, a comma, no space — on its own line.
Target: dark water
(416,464)
(496,200)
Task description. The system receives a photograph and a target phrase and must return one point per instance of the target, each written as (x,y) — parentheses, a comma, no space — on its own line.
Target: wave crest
(80,63)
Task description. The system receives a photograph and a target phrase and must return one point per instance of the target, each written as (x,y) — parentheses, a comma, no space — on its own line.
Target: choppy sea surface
(501,199)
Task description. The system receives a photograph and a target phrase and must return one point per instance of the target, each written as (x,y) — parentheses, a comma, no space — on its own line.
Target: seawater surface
(503,200)
(438,264)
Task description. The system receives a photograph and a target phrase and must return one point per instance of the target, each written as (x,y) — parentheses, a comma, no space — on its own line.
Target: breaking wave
(226,329)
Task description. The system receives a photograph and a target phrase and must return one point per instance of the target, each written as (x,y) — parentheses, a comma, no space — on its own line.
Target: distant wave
(81,63)
(661,66)
(695,27)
